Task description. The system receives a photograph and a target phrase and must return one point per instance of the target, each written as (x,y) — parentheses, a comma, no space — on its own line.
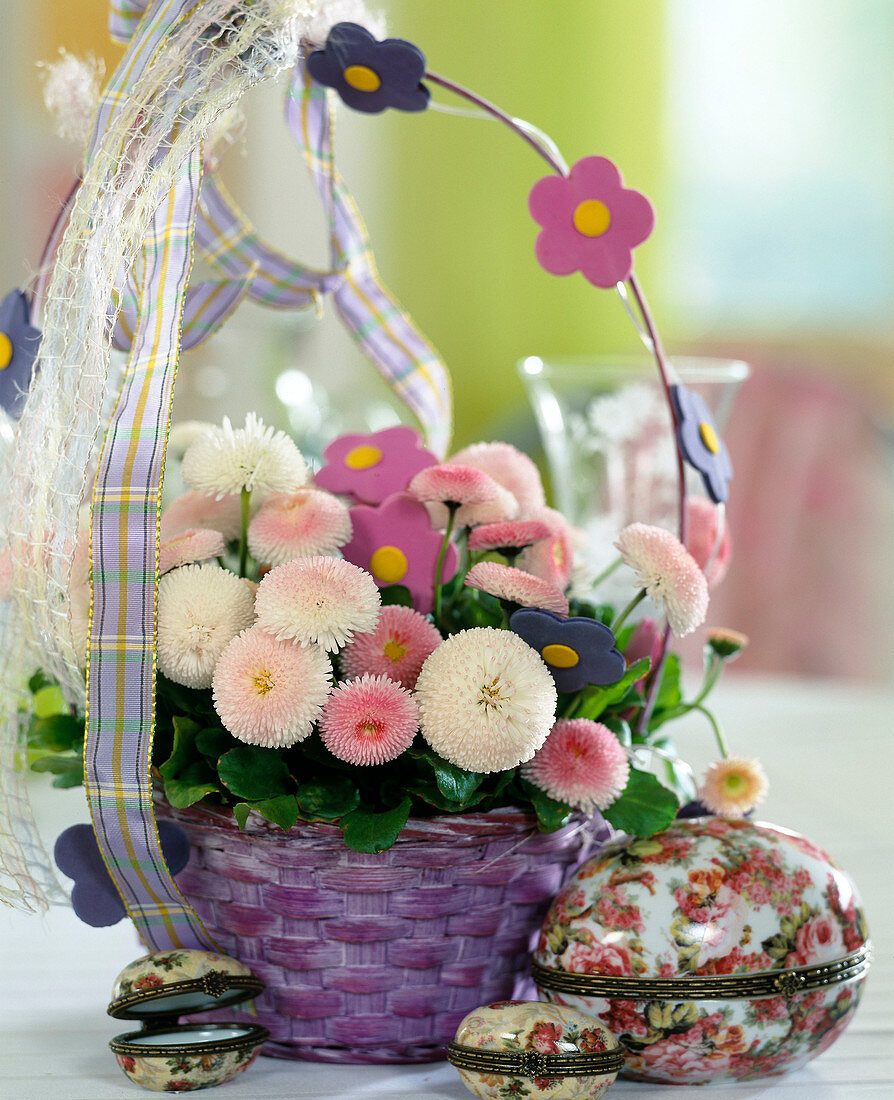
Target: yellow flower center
(362,78)
(592,218)
(263,683)
(388,564)
(394,650)
(733,783)
(491,694)
(560,656)
(5,351)
(709,437)
(361,458)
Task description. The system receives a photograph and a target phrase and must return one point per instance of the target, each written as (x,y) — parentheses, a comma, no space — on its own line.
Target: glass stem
(245,501)
(442,554)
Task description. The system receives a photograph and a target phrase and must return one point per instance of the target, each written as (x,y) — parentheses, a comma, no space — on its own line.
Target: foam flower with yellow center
(370,467)
(577,651)
(668,573)
(317,600)
(254,458)
(733,786)
(486,700)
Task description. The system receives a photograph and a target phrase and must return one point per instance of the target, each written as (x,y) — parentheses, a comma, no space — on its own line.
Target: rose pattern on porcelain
(187,1072)
(519,1026)
(167,967)
(709,896)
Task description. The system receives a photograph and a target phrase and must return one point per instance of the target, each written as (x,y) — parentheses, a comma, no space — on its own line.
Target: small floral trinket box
(719,949)
(530,1048)
(165,1055)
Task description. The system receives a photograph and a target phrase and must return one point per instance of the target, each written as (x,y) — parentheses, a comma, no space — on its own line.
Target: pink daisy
(581,764)
(508,467)
(396,648)
(510,537)
(194,509)
(552,558)
(701,539)
(479,498)
(369,721)
(668,573)
(269,692)
(192,545)
(733,786)
(298,525)
(318,599)
(516,586)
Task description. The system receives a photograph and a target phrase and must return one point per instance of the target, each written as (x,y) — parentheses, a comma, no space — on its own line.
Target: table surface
(829,751)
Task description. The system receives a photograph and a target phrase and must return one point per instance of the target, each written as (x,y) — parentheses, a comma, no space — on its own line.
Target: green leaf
(551,815)
(456,784)
(191,785)
(396,594)
(669,693)
(214,741)
(282,810)
(254,773)
(73,778)
(58,733)
(241,811)
(184,752)
(58,765)
(49,700)
(645,807)
(596,699)
(327,799)
(366,832)
(38,681)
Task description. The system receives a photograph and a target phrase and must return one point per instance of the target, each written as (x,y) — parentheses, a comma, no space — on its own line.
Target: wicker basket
(375,958)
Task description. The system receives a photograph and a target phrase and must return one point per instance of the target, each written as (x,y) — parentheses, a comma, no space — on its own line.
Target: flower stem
(715,726)
(245,501)
(607,572)
(619,620)
(442,554)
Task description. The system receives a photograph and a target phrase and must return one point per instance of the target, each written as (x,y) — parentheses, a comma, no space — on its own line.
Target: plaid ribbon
(124,18)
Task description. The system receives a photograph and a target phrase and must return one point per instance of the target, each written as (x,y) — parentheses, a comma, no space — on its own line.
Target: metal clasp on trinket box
(165,1055)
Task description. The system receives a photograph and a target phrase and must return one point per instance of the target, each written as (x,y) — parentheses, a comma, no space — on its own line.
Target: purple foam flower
(369,468)
(370,75)
(94,897)
(591,222)
(700,443)
(395,543)
(19,340)
(577,651)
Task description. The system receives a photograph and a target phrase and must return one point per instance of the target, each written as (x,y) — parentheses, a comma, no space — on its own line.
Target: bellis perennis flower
(668,573)
(733,786)
(252,458)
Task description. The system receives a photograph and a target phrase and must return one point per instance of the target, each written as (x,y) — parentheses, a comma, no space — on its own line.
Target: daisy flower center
(263,682)
(492,695)
(734,783)
(370,727)
(199,634)
(393,650)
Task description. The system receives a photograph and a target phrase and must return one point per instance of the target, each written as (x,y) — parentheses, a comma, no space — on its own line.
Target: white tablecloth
(829,752)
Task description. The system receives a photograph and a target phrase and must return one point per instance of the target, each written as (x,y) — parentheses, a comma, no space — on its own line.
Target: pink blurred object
(701,516)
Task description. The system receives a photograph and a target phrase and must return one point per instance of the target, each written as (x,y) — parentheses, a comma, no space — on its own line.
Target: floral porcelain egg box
(718,950)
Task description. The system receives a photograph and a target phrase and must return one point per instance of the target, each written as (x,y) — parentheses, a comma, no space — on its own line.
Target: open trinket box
(165,1055)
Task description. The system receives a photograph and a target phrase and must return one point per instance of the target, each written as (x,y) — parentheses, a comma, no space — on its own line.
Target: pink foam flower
(581,764)
(317,600)
(668,573)
(590,222)
(396,648)
(508,467)
(192,545)
(552,558)
(509,537)
(516,586)
(298,525)
(701,539)
(395,543)
(369,468)
(193,509)
(269,692)
(476,496)
(369,721)
(733,786)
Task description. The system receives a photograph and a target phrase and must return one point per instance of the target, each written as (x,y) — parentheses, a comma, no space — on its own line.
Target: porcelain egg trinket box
(165,1055)
(531,1048)
(719,949)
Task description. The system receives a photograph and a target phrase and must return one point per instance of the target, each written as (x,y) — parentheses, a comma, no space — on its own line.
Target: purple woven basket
(375,958)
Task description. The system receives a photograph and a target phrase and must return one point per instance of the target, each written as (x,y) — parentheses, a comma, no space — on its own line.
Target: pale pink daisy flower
(486,700)
(516,586)
(318,599)
(195,544)
(369,721)
(552,558)
(479,498)
(298,525)
(701,539)
(581,764)
(733,786)
(201,608)
(669,574)
(508,467)
(192,509)
(511,535)
(268,692)
(396,648)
